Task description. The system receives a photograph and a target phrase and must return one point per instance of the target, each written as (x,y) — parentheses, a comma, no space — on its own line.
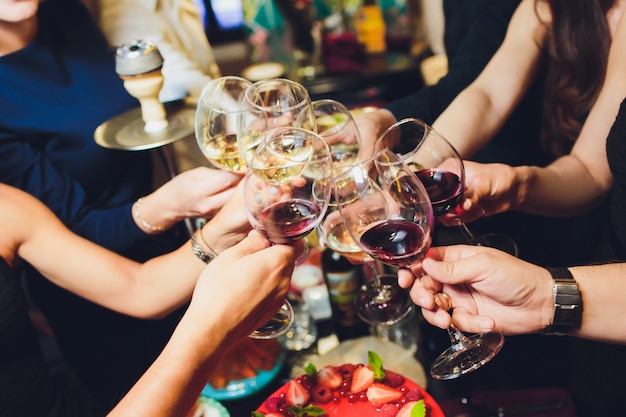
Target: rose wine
(444,189)
(223,153)
(396,242)
(290,220)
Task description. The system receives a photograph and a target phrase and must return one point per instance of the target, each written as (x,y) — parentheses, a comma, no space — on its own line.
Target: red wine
(406,192)
(444,189)
(396,242)
(289,220)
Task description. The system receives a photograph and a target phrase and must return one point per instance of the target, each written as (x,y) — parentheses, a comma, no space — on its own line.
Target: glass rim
(304,100)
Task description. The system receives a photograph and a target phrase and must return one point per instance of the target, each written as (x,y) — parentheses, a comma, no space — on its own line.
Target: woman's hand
(489,290)
(489,189)
(196,193)
(245,285)
(371,125)
(230,225)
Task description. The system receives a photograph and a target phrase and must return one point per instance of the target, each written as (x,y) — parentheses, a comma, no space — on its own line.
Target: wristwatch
(567,303)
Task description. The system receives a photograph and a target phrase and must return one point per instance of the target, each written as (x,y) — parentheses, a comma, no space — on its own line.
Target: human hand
(489,290)
(245,285)
(230,225)
(371,125)
(196,193)
(489,189)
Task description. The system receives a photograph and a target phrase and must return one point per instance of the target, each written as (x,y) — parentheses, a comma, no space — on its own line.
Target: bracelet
(142,221)
(210,250)
(567,303)
(198,251)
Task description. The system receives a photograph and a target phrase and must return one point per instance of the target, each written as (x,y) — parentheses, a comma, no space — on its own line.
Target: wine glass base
(383,302)
(497,241)
(479,350)
(278,324)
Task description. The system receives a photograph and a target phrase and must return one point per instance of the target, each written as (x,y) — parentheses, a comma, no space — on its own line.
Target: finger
(252,243)
(421,296)
(472,323)
(218,200)
(405,278)
(438,318)
(456,264)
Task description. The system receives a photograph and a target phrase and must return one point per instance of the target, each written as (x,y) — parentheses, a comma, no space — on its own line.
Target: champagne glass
(440,167)
(216,122)
(387,212)
(286,194)
(268,104)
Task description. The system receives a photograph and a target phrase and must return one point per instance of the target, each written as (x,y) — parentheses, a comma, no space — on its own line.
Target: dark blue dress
(54,94)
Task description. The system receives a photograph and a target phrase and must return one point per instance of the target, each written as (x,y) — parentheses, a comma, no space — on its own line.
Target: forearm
(174,381)
(564,188)
(602,289)
(470,122)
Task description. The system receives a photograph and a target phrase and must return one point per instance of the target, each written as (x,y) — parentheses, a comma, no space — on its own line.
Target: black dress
(597,370)
(27,389)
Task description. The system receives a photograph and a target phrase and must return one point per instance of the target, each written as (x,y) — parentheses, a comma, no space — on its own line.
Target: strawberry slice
(412,409)
(379,393)
(330,377)
(296,395)
(362,378)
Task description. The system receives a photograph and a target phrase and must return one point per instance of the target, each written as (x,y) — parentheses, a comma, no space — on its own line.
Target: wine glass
(286,194)
(216,122)
(440,167)
(387,212)
(402,328)
(334,123)
(337,127)
(268,104)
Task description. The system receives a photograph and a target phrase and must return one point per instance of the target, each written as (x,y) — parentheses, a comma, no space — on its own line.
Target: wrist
(151,213)
(142,220)
(567,305)
(201,248)
(218,239)
(522,183)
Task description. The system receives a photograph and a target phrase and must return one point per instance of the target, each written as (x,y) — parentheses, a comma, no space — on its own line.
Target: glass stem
(457,338)
(467,233)
(375,269)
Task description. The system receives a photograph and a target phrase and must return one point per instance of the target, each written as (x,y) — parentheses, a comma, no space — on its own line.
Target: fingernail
(439,321)
(421,301)
(486,324)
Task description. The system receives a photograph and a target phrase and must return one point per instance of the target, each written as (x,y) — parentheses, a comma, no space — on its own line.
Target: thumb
(252,243)
(445,272)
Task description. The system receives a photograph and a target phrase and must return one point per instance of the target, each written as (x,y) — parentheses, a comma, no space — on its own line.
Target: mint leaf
(309,411)
(310,370)
(376,363)
(419,409)
(257,414)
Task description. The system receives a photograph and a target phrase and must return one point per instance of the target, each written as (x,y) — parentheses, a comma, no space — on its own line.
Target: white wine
(222,151)
(339,239)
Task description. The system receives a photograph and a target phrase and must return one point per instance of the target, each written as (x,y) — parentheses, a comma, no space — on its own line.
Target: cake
(350,390)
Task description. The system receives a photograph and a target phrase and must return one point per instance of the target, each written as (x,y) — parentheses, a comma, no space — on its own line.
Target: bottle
(370,27)
(343,280)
